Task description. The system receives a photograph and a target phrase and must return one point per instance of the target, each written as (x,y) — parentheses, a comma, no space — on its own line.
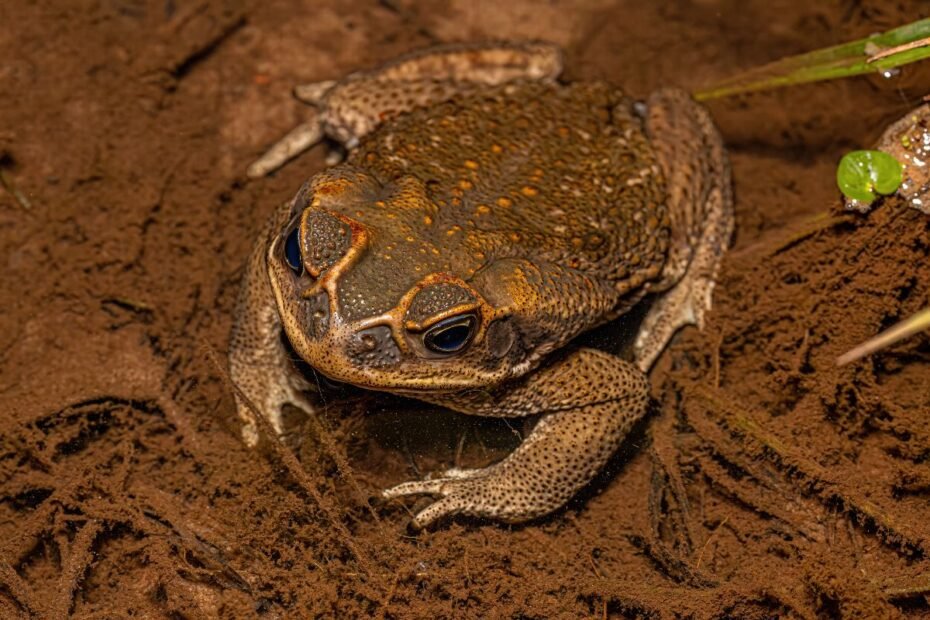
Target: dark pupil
(451,338)
(292,251)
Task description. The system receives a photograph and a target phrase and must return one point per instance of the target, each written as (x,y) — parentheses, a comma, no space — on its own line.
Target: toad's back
(560,173)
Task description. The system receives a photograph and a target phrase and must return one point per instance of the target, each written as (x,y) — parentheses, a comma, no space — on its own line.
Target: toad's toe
(457,496)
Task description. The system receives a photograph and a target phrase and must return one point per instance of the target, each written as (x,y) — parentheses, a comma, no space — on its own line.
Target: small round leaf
(863,175)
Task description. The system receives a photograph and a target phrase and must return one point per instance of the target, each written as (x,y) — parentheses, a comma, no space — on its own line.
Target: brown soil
(767,483)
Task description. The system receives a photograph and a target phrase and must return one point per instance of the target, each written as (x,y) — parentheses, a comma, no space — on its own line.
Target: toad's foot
(278,395)
(475,492)
(590,400)
(298,140)
(301,138)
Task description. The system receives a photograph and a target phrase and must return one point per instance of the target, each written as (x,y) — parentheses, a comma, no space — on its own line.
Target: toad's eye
(292,251)
(450,335)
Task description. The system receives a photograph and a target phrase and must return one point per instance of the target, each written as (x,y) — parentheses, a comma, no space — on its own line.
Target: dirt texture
(766,483)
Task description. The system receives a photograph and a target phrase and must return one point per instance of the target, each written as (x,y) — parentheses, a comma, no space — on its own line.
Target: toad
(486,216)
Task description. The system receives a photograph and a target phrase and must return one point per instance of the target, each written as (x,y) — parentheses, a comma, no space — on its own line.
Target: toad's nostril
(317,313)
(374,346)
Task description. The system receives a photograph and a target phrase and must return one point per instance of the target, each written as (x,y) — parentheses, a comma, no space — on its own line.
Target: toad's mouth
(310,374)
(371,380)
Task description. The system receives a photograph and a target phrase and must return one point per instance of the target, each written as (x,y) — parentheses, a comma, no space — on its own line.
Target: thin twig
(900,331)
(897,49)
(697,564)
(17,195)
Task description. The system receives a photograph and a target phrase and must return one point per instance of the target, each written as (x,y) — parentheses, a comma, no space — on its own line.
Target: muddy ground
(767,482)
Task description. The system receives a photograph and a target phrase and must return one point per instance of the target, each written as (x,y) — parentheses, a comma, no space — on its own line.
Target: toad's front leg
(589,399)
(259,363)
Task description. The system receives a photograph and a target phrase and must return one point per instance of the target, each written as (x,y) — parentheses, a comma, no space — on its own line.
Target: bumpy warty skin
(548,173)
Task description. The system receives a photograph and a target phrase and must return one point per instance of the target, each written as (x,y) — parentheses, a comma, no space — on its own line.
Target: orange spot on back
(331,187)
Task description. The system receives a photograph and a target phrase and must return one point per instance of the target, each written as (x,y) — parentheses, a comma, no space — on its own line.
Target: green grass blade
(829,63)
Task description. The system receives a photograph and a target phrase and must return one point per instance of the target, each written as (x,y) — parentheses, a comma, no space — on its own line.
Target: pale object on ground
(900,331)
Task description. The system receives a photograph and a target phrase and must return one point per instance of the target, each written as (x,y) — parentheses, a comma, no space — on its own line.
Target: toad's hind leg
(346,110)
(700,205)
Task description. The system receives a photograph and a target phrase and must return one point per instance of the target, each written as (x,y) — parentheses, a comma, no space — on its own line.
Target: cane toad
(486,216)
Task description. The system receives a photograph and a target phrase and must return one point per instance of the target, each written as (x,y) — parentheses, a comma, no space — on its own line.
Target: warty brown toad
(486,216)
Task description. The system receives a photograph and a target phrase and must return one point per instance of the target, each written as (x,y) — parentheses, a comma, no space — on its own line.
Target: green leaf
(829,63)
(863,175)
